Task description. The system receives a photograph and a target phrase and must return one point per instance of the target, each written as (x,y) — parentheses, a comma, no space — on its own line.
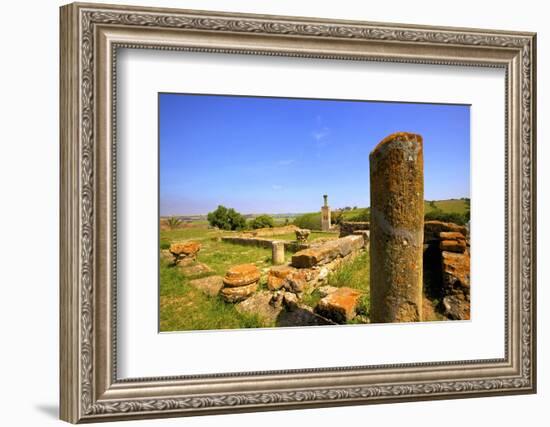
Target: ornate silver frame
(90,35)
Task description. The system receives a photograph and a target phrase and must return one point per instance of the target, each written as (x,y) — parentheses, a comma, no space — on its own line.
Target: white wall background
(29,171)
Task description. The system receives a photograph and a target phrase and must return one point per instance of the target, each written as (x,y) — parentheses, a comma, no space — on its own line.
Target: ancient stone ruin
(405,253)
(325,215)
(288,284)
(186,252)
(277,252)
(350,227)
(302,235)
(396,228)
(447,261)
(240,282)
(329,251)
(339,305)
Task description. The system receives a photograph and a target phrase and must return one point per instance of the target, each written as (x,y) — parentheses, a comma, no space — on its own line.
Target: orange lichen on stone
(340,305)
(433,229)
(397,228)
(399,136)
(286,277)
(327,251)
(277,275)
(451,235)
(453,245)
(241,275)
(239,293)
(185,249)
(456,270)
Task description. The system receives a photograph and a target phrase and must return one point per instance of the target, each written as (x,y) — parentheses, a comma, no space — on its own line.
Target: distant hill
(453,210)
(449,209)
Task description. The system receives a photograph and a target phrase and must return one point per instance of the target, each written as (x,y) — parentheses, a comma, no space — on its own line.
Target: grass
(355,274)
(359,214)
(458,206)
(184,308)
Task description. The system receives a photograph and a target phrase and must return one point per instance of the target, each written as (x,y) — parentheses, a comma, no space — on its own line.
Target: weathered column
(325,215)
(396,228)
(277,252)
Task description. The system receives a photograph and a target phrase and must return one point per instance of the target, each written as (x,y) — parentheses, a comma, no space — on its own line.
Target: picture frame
(90,389)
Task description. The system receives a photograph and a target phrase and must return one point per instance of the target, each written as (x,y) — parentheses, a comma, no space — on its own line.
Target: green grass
(357,215)
(184,308)
(355,274)
(196,232)
(458,206)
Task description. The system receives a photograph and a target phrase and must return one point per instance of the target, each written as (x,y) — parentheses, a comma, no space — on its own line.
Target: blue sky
(280,155)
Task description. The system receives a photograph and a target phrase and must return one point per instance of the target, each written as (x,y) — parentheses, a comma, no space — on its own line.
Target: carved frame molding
(90,37)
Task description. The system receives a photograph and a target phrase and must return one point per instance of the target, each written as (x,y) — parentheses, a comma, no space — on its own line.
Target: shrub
(173,222)
(439,215)
(226,219)
(360,216)
(311,221)
(337,217)
(262,221)
(164,243)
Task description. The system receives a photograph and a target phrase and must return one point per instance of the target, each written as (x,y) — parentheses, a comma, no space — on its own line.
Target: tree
(311,221)
(226,219)
(262,221)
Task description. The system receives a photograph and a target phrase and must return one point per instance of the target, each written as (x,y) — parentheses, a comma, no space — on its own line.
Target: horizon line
(298,212)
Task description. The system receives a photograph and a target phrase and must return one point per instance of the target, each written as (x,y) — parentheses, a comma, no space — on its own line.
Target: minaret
(325,215)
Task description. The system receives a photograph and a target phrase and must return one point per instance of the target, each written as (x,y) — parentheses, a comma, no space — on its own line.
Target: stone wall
(347,228)
(271,231)
(264,243)
(447,267)
(324,253)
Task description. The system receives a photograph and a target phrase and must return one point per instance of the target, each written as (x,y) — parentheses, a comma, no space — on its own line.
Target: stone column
(396,228)
(325,215)
(277,252)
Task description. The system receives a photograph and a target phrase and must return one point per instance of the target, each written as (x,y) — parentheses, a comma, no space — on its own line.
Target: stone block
(260,304)
(456,272)
(239,293)
(195,269)
(209,285)
(339,306)
(241,275)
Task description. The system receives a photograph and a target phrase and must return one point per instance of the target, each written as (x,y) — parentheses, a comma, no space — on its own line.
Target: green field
(458,206)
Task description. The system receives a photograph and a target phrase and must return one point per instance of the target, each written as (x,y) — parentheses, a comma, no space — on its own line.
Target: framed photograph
(267,212)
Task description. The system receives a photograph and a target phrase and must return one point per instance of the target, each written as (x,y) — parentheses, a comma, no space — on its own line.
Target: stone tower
(325,215)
